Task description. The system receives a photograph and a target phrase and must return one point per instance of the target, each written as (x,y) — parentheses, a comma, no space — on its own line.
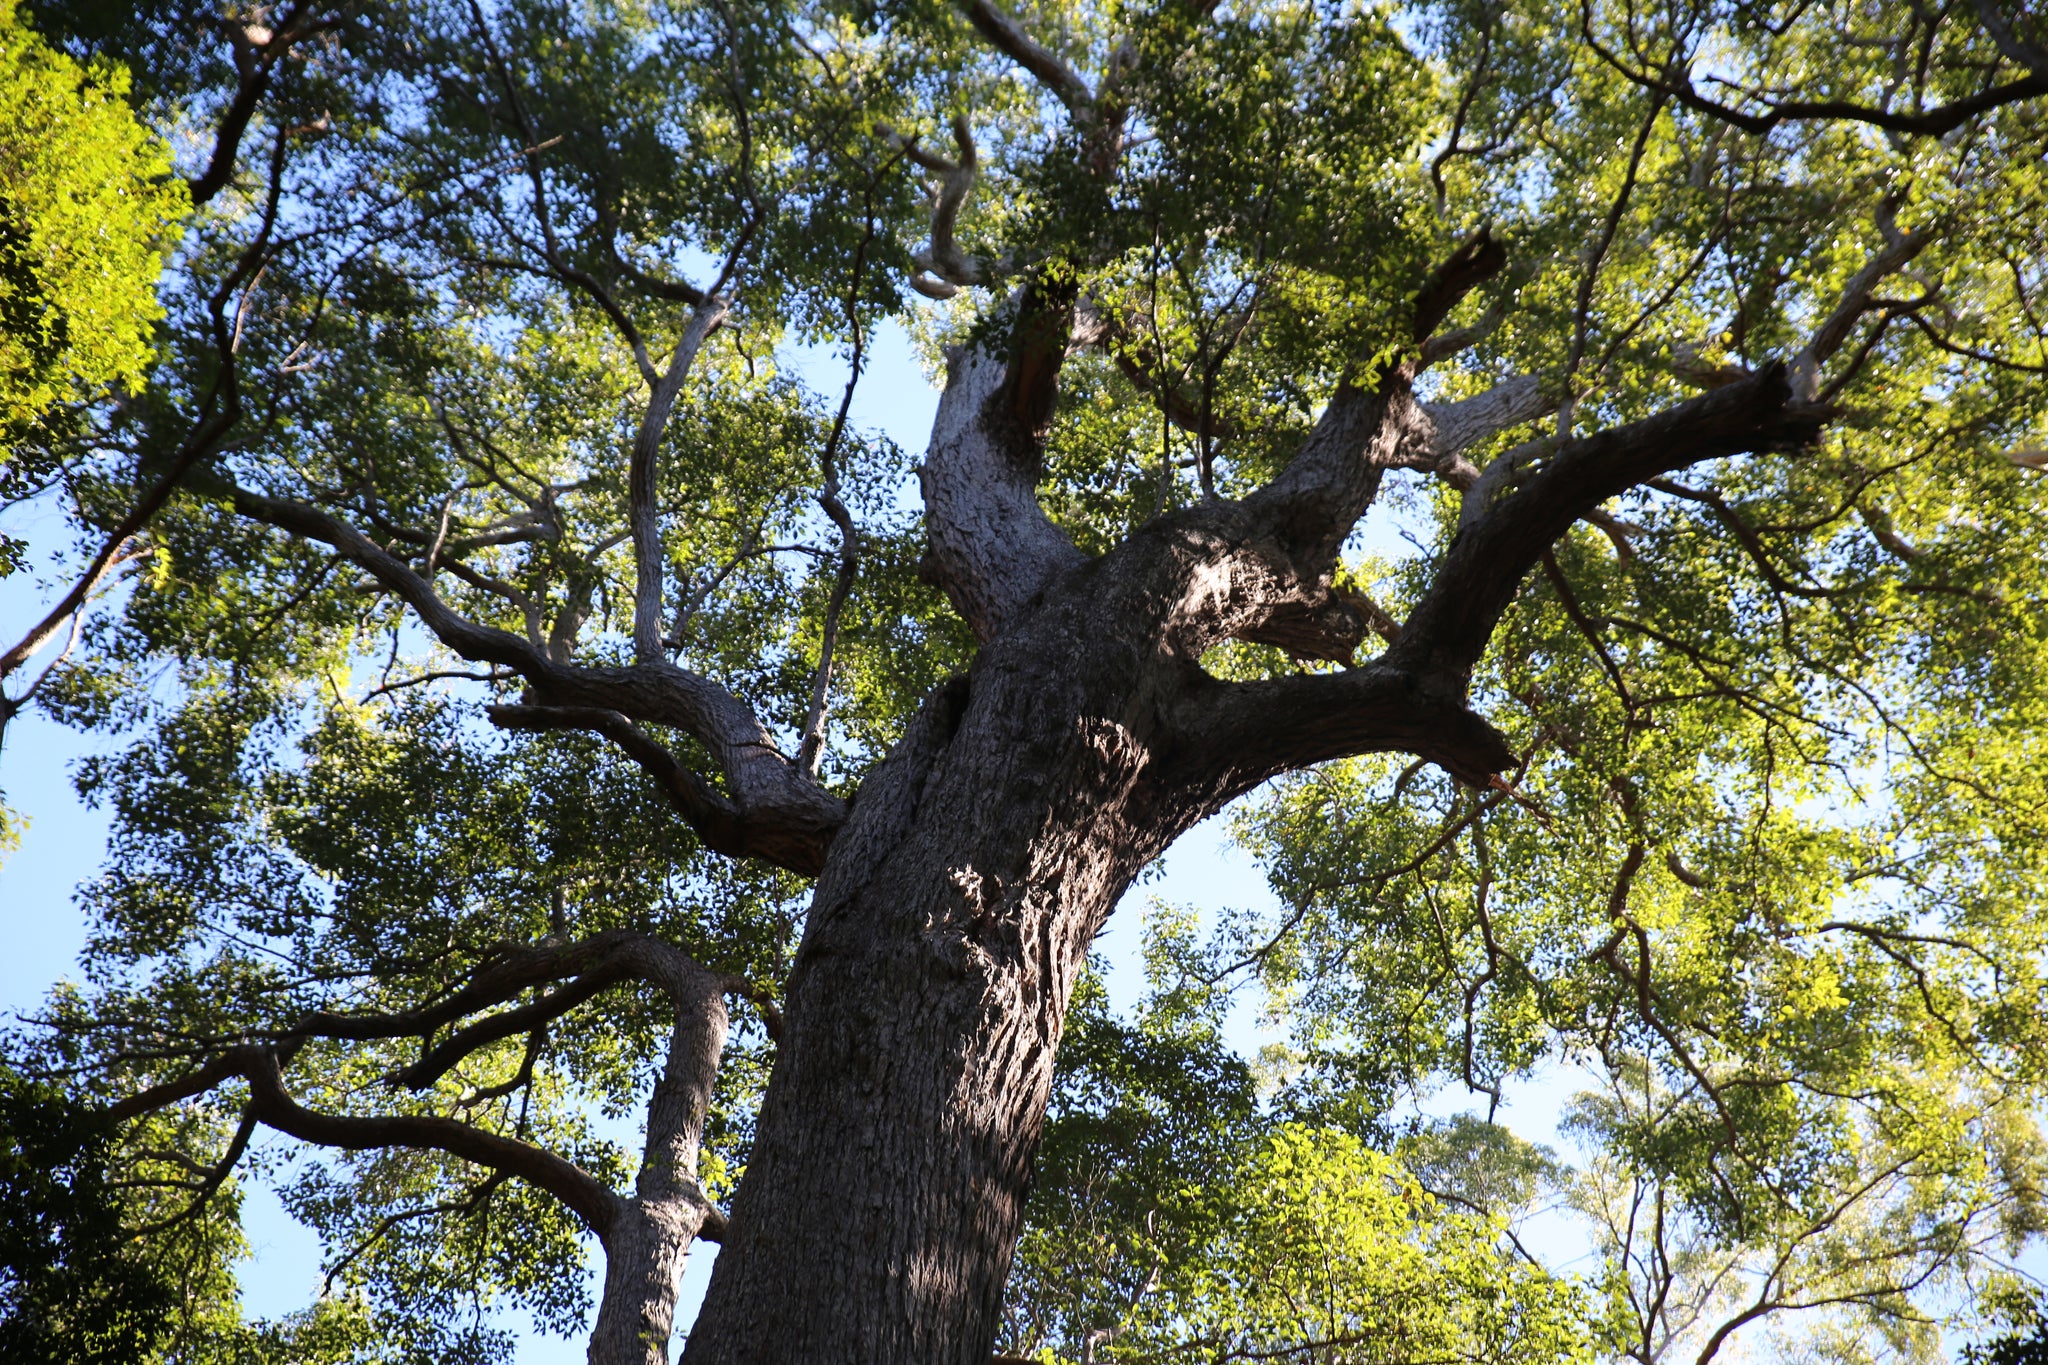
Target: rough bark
(991,545)
(886,1186)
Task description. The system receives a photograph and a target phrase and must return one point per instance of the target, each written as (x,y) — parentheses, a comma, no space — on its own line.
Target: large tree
(529,671)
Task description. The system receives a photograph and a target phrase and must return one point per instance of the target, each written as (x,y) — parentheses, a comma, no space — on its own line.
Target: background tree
(529,672)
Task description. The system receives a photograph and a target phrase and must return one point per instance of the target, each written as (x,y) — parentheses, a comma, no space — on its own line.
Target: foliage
(1760,886)
(1176,1218)
(1331,1252)
(72,1285)
(87,210)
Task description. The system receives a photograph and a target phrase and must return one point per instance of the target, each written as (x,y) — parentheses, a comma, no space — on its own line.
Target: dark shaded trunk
(886,1188)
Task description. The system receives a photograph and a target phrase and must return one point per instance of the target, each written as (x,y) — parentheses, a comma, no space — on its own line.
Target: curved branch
(1943,118)
(598,961)
(992,547)
(257,52)
(272,1103)
(943,268)
(1529,497)
(722,825)
(788,811)
(1009,38)
(449,1053)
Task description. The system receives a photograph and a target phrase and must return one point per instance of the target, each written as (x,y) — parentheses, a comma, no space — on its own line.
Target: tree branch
(1530,496)
(1451,428)
(1900,247)
(1476,260)
(785,810)
(1676,83)
(272,1103)
(1009,38)
(718,822)
(992,547)
(1372,424)
(943,269)
(257,52)
(1247,732)
(650,565)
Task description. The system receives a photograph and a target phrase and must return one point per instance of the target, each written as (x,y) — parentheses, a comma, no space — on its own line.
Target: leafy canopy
(1762,883)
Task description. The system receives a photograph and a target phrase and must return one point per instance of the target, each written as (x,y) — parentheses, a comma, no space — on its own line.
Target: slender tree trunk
(643,1264)
(648,1241)
(886,1188)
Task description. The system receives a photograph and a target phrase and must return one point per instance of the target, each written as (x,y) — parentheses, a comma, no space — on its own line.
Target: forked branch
(992,547)
(650,564)
(1530,496)
(942,268)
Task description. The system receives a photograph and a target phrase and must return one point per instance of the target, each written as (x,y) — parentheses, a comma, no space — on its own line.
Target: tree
(67,1288)
(548,673)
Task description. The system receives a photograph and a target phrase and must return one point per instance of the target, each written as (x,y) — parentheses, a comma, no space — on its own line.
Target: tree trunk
(894,1150)
(644,1258)
(886,1188)
(648,1241)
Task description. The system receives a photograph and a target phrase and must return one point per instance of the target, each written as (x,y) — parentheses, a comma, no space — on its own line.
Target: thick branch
(1372,424)
(1478,259)
(1452,428)
(645,1254)
(723,827)
(1530,496)
(1250,731)
(1311,505)
(992,547)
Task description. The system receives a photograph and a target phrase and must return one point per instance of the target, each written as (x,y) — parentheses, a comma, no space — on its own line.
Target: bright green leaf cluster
(88,208)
